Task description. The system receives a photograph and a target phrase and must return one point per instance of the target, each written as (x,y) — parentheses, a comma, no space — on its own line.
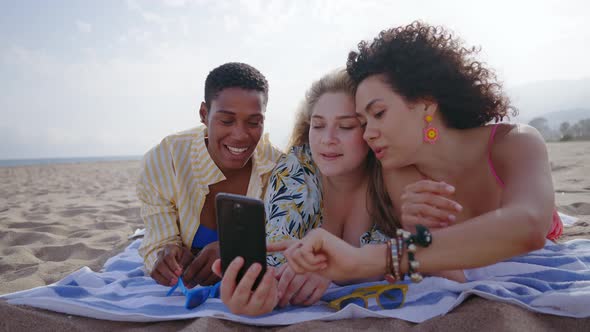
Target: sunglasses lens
(355,300)
(391,298)
(196,297)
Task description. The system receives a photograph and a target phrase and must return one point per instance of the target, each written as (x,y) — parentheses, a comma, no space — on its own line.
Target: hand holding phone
(239,298)
(241,231)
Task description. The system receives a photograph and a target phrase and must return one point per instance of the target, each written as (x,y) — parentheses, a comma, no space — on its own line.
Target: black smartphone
(241,231)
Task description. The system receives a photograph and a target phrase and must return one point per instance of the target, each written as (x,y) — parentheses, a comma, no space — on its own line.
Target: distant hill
(555,119)
(557,101)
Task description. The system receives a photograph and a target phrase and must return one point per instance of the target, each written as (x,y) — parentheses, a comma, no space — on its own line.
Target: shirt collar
(265,156)
(206,171)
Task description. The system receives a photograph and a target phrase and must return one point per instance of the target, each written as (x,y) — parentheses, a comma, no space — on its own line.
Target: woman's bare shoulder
(509,136)
(517,142)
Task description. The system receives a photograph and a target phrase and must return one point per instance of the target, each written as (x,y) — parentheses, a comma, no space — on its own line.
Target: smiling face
(235,123)
(393,129)
(335,135)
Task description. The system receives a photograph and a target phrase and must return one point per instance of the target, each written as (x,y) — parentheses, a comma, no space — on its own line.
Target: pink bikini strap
(490,143)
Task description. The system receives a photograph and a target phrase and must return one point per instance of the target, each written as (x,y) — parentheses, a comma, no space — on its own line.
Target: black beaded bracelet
(423,238)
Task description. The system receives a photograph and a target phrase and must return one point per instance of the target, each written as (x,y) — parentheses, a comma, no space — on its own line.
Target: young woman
(426,102)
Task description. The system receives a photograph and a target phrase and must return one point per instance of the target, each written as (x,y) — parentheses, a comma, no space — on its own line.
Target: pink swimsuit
(557,225)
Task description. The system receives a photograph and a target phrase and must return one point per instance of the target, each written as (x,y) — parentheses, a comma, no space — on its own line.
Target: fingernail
(458,207)
(450,188)
(452,217)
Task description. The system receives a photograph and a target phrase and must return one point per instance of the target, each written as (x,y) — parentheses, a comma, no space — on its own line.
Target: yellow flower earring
(430,133)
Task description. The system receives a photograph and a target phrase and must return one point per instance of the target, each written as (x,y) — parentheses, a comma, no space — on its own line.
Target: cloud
(156,19)
(230,23)
(184,26)
(133,5)
(177,3)
(25,59)
(83,27)
(145,97)
(148,16)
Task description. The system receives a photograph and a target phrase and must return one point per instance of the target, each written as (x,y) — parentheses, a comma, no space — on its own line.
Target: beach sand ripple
(57,218)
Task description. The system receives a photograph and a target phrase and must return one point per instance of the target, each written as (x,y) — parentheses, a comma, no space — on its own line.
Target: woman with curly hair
(486,193)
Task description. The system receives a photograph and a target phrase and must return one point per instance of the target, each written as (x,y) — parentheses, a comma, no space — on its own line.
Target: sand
(55,219)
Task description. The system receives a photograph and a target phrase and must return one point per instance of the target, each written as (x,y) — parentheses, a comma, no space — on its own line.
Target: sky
(105,78)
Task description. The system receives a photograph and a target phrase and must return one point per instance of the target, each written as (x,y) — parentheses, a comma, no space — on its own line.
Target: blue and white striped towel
(554,280)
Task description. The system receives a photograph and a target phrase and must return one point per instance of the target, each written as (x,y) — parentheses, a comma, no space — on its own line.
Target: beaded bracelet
(423,238)
(394,254)
(400,253)
(389,272)
(395,257)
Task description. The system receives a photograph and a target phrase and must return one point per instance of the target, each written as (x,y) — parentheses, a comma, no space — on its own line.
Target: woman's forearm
(370,262)
(481,241)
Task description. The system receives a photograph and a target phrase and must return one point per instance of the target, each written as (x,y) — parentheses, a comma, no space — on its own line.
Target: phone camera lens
(238,209)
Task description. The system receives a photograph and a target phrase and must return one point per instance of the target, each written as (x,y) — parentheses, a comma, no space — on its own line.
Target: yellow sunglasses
(386,296)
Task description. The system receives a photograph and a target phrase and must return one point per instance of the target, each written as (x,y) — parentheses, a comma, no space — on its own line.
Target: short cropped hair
(234,75)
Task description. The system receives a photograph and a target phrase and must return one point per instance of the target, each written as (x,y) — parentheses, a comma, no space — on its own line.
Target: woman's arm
(521,223)
(517,227)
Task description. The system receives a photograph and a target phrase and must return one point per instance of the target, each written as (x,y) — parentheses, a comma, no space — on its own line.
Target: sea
(73,160)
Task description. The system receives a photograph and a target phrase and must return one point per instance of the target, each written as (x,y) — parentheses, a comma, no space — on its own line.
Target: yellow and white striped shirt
(174,182)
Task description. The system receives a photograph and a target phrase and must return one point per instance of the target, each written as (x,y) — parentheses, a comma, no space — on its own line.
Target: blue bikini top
(203,237)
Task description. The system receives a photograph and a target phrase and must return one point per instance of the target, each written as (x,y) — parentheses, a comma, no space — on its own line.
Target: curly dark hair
(234,75)
(420,61)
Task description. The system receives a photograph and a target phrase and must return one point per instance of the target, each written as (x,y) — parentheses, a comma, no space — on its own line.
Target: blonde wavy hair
(379,204)
(335,81)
